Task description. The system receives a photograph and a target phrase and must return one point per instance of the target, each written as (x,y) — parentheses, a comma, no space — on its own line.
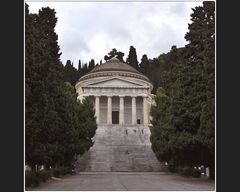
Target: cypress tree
(91,65)
(132,58)
(54,119)
(144,66)
(34,87)
(201,37)
(70,73)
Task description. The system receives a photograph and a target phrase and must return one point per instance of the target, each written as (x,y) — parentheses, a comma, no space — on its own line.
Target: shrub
(172,168)
(186,171)
(58,171)
(43,175)
(196,173)
(64,170)
(189,171)
(31,179)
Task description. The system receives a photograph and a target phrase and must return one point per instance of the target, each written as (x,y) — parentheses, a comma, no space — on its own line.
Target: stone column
(134,111)
(121,110)
(97,109)
(145,111)
(109,110)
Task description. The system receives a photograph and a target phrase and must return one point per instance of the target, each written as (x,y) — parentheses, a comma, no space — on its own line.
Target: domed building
(120,93)
(122,99)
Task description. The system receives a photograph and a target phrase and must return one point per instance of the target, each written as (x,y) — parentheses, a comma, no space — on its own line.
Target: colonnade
(121,110)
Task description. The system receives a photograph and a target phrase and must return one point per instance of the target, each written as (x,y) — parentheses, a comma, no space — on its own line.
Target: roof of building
(112,65)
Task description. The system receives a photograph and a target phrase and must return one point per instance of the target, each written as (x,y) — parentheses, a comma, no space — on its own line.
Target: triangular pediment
(115,82)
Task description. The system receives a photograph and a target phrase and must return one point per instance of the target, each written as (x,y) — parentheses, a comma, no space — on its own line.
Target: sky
(89,30)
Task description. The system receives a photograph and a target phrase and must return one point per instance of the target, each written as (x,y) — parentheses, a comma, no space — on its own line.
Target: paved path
(120,181)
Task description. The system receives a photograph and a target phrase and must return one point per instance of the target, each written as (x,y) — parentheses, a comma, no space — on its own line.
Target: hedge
(186,171)
(59,171)
(190,171)
(33,178)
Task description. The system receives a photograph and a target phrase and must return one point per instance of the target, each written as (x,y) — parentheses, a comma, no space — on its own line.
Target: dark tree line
(71,74)
(57,126)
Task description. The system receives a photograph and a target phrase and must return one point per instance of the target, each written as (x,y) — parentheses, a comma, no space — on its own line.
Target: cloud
(89,30)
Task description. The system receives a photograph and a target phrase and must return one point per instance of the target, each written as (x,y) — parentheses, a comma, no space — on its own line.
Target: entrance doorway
(115,117)
(138,121)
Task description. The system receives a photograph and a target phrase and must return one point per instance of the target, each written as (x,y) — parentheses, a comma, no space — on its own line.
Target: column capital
(122,96)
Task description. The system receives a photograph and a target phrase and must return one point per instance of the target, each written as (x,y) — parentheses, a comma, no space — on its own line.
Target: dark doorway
(138,121)
(115,117)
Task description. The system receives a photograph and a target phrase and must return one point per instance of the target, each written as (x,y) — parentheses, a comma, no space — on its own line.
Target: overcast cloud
(89,30)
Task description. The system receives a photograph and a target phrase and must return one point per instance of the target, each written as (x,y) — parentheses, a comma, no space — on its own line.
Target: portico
(128,109)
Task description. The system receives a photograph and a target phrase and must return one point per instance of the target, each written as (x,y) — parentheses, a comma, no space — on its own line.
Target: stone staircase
(120,149)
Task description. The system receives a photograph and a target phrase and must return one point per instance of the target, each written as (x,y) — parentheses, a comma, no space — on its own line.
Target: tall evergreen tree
(34,87)
(53,115)
(184,133)
(43,66)
(144,66)
(91,64)
(132,58)
(70,73)
(79,65)
(201,37)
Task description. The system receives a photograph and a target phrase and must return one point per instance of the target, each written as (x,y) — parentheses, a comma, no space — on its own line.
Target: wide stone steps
(118,149)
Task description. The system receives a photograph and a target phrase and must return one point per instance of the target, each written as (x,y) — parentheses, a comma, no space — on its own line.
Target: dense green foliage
(189,171)
(70,73)
(58,127)
(113,53)
(132,58)
(183,118)
(33,178)
(144,66)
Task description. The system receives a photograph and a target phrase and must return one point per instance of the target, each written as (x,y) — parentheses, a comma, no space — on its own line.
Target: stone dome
(114,67)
